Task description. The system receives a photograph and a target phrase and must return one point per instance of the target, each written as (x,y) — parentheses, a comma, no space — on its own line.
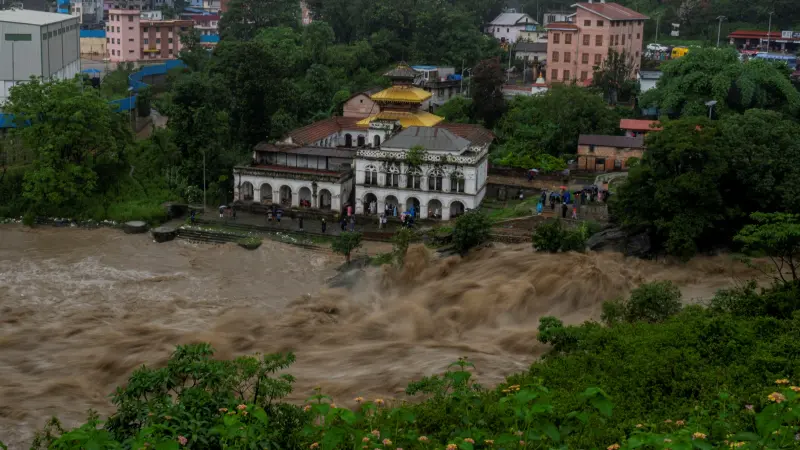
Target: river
(80,309)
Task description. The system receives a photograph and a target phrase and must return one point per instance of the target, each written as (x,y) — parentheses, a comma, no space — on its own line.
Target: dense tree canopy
(713,74)
(700,180)
(245,18)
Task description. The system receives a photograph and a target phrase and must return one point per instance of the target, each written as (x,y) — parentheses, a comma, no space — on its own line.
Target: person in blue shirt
(539,209)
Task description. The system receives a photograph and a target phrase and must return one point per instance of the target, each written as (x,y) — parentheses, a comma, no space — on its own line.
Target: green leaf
(603,405)
(167,445)
(551,431)
(260,415)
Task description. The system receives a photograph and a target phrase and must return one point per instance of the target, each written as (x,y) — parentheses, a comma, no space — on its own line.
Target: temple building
(360,159)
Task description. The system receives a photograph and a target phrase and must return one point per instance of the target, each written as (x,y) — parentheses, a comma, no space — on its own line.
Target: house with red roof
(637,127)
(575,48)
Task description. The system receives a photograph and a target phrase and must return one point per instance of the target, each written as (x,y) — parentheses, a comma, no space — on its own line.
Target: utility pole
(204,180)
(769,30)
(719,27)
(510,51)
(658,21)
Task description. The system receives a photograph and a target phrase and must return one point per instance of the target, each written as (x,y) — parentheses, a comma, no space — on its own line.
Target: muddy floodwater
(80,309)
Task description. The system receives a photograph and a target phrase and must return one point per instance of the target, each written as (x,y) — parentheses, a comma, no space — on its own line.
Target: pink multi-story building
(131,38)
(576,48)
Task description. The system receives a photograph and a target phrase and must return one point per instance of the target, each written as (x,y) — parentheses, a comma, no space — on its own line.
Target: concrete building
(600,153)
(648,79)
(39,44)
(531,52)
(131,38)
(93,43)
(557,16)
(360,105)
(205,24)
(451,179)
(508,25)
(576,48)
(442,83)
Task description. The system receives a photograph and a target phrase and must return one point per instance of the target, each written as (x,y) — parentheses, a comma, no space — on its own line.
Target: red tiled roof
(310,134)
(754,34)
(639,125)
(561,26)
(612,11)
(475,134)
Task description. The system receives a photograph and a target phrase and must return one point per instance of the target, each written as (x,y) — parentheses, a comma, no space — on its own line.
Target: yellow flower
(333,405)
(680,423)
(638,425)
(698,435)
(379,401)
(777,397)
(452,447)
(359,399)
(737,444)
(782,381)
(423,439)
(387,442)
(795,388)
(222,410)
(314,445)
(488,442)
(307,408)
(470,440)
(613,447)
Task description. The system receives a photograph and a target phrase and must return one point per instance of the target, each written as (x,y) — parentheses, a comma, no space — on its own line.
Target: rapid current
(81,309)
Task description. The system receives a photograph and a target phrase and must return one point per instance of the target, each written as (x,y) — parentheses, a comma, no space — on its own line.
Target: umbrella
(534,170)
(563,187)
(93,71)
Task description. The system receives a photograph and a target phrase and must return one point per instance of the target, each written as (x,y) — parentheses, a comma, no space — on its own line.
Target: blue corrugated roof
(209,39)
(93,33)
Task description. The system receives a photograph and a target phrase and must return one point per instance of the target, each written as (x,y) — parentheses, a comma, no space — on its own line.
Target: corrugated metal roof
(611,141)
(401,71)
(433,139)
(322,129)
(639,125)
(533,47)
(475,134)
(28,17)
(506,19)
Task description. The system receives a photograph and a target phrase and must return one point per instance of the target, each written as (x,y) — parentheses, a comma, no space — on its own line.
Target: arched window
(435,178)
(361,140)
(457,183)
(413,178)
(348,140)
(370,176)
(377,141)
(393,176)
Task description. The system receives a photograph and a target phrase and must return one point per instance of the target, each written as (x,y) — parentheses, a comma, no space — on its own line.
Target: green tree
(192,53)
(717,74)
(77,140)
(143,100)
(346,242)
(246,18)
(416,156)
(400,242)
(776,235)
(471,230)
(615,76)
(456,110)
(487,83)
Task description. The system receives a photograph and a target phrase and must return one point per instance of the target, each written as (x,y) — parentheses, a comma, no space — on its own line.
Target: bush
(650,302)
(29,219)
(250,242)
(471,229)
(781,300)
(145,210)
(345,243)
(400,241)
(551,237)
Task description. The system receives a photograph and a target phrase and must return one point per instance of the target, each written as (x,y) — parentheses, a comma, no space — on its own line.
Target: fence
(134,81)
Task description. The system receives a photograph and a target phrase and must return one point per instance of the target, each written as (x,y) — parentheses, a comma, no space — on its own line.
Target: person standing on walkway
(574,212)
(300,222)
(324,225)
(343,223)
(563,210)
(352,223)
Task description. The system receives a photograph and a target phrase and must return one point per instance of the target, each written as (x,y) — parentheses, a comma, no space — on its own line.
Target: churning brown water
(80,309)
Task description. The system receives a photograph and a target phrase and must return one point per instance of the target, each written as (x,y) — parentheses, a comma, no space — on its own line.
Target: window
(551,18)
(555,57)
(158,41)
(567,38)
(587,23)
(637,54)
(130,51)
(108,40)
(18,37)
(585,58)
(158,29)
(566,75)
(130,28)
(413,178)
(586,39)
(567,57)
(507,30)
(623,39)
(170,51)
(435,178)
(584,75)
(457,182)
(638,35)
(130,40)
(598,40)
(556,38)
(130,18)
(554,74)
(393,176)
(371,176)
(591,148)
(169,40)
(617,164)
(616,40)
(597,59)
(118,30)
(145,29)
(599,23)
(113,52)
(147,41)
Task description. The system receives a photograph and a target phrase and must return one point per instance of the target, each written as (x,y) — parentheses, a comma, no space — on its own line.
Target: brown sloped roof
(401,71)
(310,134)
(475,134)
(611,141)
(612,11)
(303,150)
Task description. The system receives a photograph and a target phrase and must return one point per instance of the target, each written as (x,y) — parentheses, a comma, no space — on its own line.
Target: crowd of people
(571,200)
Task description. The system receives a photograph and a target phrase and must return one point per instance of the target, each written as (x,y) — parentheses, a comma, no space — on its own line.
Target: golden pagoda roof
(402,94)
(406,118)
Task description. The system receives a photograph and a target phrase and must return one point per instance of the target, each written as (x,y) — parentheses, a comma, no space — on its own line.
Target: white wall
(510,33)
(338,194)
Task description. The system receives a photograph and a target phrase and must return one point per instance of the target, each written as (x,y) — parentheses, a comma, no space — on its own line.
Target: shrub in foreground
(471,230)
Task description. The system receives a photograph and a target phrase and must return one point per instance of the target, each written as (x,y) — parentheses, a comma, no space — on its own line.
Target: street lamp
(710,105)
(769,29)
(719,27)
(462,80)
